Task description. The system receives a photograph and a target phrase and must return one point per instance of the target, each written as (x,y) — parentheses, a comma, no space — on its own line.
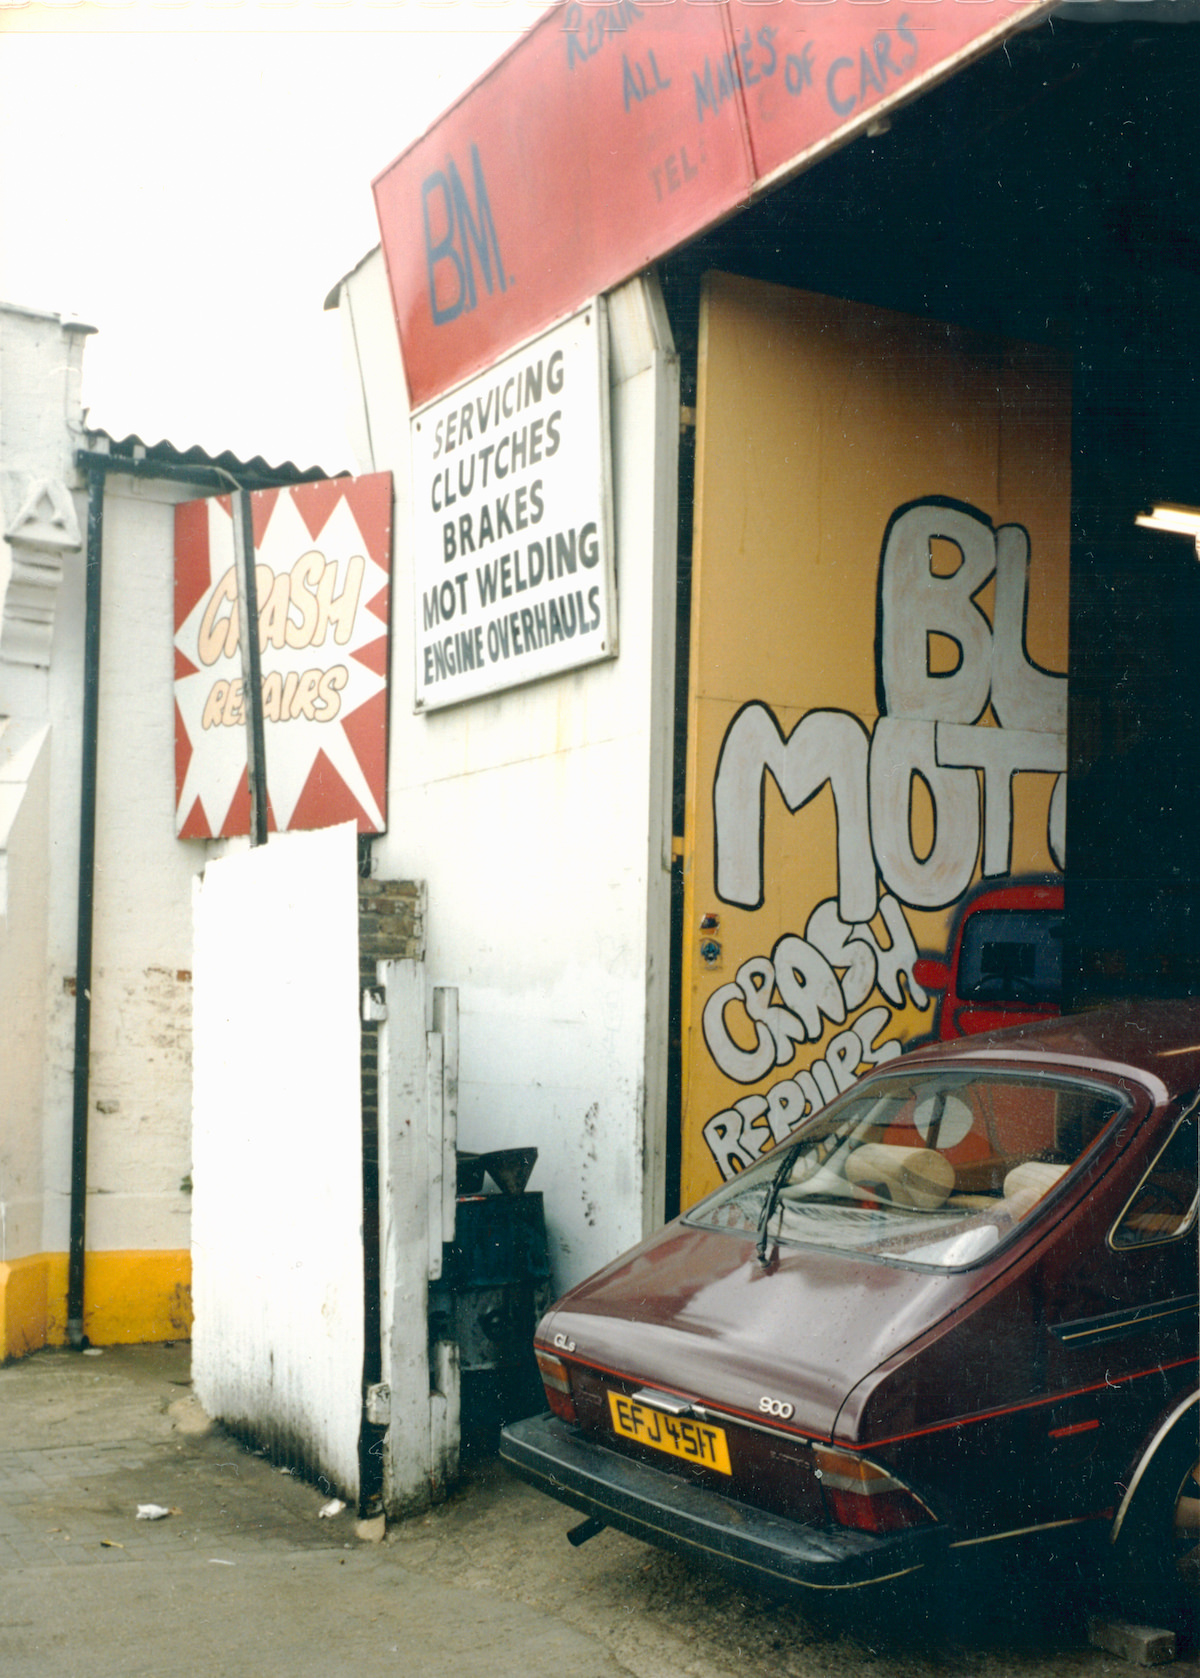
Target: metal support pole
(247,580)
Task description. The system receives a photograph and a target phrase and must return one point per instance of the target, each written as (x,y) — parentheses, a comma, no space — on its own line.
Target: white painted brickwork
(22,982)
(141,995)
(140,1112)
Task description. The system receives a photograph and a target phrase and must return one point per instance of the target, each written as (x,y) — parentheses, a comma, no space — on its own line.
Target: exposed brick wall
(391,923)
(391,927)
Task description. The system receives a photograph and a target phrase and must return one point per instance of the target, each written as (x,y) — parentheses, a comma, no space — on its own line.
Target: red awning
(611,134)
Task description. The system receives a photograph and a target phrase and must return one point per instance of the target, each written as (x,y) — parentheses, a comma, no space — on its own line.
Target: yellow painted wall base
(128,1298)
(33,1304)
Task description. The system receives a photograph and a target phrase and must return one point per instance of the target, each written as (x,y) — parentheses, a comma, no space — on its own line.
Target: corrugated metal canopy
(256,472)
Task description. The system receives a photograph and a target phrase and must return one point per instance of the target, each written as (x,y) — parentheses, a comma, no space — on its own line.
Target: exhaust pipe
(585,1530)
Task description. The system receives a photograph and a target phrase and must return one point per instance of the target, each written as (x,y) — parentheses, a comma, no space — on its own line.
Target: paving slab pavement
(243,1580)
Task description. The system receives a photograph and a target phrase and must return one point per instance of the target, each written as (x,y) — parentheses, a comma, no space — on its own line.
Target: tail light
(557,1382)
(860,1494)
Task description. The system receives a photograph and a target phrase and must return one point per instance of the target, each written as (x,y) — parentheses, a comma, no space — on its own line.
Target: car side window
(1164,1203)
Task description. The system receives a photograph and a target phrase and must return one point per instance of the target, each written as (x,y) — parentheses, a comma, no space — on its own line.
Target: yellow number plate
(678,1436)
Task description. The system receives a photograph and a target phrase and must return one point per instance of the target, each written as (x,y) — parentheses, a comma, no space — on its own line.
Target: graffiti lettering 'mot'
(930,730)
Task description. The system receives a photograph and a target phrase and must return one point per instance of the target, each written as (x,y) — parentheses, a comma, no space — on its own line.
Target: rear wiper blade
(774,1189)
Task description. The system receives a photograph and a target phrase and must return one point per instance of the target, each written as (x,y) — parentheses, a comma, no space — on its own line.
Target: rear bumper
(759,1548)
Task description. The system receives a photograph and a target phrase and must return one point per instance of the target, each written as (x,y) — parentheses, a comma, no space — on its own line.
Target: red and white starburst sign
(323,569)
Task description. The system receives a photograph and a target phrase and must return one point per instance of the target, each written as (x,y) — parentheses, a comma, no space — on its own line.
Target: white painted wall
(140,1095)
(40,655)
(540,820)
(141,1076)
(24,891)
(277,1260)
(40,366)
(141,1071)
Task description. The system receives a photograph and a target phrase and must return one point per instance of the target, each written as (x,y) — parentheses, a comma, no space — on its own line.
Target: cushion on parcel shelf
(906,1176)
(1026,1184)
(1035,1177)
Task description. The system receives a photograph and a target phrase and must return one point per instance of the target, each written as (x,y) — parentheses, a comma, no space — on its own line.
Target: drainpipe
(87,877)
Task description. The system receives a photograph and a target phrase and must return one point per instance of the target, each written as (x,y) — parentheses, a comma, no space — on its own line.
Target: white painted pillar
(418,1094)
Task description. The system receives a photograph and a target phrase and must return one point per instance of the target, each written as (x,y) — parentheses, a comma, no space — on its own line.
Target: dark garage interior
(1048,193)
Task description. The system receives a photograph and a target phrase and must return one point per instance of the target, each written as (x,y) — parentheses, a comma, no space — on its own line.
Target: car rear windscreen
(936,1168)
(1012,955)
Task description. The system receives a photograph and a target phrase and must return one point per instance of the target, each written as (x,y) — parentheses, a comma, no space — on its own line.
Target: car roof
(1021,894)
(1152,1041)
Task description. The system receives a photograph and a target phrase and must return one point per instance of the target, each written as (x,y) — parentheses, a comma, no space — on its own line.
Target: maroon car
(955,1309)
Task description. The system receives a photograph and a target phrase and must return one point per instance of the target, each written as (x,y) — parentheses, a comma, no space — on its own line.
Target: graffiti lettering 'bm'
(460,236)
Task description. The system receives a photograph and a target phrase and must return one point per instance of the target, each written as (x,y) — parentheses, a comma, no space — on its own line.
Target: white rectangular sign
(512,526)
